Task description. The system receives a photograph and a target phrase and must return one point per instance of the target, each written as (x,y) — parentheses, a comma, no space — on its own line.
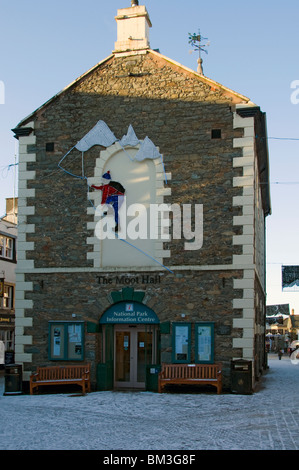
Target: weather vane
(196,42)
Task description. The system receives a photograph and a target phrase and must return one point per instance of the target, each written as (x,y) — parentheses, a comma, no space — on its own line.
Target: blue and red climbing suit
(112,194)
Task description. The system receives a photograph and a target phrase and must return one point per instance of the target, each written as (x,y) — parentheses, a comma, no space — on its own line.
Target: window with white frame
(8,338)
(6,247)
(7,299)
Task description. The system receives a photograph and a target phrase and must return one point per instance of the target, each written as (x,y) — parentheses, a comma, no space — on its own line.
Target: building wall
(58,275)
(8,229)
(186,296)
(178,121)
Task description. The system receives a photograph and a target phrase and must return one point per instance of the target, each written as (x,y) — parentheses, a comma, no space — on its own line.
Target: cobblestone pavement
(266,420)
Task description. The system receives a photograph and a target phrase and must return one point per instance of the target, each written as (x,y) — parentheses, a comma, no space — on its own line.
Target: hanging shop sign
(7,319)
(290,278)
(129,313)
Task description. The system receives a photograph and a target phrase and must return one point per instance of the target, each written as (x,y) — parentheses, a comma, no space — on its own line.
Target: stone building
(187,285)
(8,261)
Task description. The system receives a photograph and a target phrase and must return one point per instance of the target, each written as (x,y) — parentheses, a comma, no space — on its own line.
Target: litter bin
(13,379)
(241,377)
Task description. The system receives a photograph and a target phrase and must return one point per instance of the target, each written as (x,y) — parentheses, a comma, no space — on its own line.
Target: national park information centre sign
(131,313)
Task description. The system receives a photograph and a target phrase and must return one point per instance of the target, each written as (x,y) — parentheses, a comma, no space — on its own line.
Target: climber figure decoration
(112,194)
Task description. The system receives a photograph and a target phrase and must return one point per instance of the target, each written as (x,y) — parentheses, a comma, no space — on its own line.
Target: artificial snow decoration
(147,150)
(100,134)
(130,139)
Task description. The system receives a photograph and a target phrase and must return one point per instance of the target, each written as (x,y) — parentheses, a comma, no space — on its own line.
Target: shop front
(130,346)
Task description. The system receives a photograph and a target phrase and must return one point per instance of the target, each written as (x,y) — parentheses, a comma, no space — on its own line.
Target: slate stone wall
(177,112)
(187,296)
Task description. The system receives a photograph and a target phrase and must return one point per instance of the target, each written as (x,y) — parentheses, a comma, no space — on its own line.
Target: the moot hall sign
(130,312)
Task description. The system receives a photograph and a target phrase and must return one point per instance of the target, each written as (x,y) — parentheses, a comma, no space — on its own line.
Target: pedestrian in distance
(280,354)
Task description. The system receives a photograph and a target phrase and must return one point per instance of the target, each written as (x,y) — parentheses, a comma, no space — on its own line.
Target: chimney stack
(132,28)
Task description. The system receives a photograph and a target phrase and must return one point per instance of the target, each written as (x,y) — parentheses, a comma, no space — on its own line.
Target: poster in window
(181,342)
(75,346)
(74,333)
(204,343)
(57,341)
(66,341)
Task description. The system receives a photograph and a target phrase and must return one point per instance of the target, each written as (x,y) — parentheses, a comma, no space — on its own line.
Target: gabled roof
(278,309)
(205,79)
(237,97)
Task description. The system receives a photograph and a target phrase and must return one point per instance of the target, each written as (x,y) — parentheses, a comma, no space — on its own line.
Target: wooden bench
(190,374)
(61,375)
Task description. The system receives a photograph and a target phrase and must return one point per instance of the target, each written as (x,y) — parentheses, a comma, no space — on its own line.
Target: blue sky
(253,50)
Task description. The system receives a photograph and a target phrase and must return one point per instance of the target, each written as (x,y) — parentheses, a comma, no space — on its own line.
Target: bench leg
(160,387)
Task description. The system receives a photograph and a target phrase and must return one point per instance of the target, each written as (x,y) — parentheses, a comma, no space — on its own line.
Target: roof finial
(196,41)
(134,3)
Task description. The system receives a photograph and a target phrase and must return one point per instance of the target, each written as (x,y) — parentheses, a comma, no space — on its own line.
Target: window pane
(6,247)
(1,245)
(57,341)
(144,354)
(7,298)
(75,346)
(123,352)
(181,343)
(8,252)
(204,343)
